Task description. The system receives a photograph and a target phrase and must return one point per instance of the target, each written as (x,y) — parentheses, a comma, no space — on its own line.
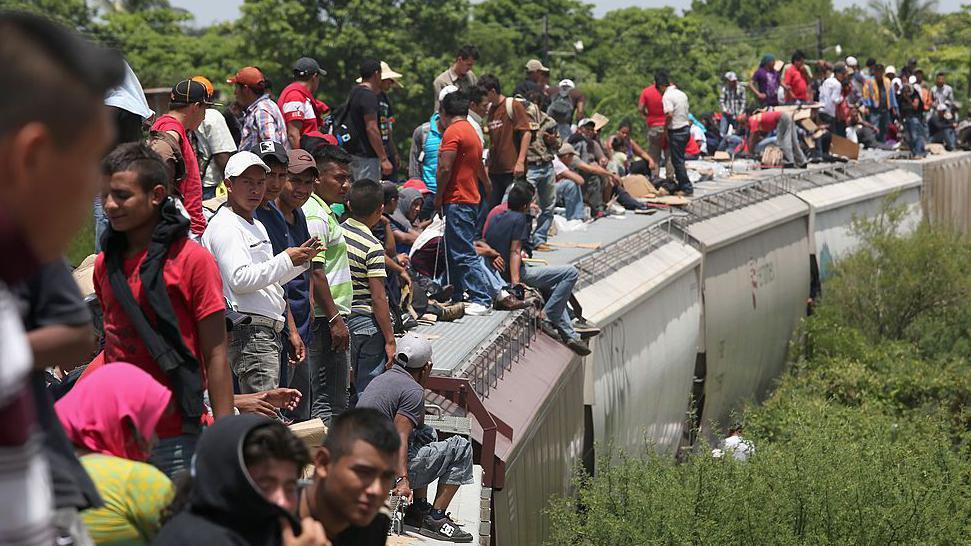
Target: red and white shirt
(297,104)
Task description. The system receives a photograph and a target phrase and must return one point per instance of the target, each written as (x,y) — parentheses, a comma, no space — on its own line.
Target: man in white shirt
(831,95)
(252,276)
(678,131)
(214,144)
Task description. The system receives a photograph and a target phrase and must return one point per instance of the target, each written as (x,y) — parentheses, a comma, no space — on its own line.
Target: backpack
(561,109)
(336,123)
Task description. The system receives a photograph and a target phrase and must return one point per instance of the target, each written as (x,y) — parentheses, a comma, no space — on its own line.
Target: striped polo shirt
(322,223)
(365,254)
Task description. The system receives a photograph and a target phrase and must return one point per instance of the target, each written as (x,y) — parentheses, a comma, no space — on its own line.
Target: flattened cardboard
(844,147)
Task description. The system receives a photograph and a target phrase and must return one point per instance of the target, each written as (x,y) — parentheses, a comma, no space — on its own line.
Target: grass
(83,243)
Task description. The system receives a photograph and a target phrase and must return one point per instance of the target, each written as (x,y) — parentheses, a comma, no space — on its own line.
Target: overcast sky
(222,10)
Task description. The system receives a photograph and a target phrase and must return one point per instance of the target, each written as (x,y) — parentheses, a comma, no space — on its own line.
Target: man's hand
(312,535)
(340,337)
(386,167)
(267,402)
(390,350)
(405,277)
(499,263)
(403,489)
(298,352)
(519,170)
(302,254)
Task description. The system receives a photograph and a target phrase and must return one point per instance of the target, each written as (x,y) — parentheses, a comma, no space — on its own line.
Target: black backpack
(561,108)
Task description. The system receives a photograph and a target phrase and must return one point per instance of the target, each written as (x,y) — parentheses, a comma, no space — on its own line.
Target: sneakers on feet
(477,310)
(443,529)
(511,303)
(452,312)
(578,347)
(585,328)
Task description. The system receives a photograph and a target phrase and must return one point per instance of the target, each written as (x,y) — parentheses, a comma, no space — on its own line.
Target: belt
(260,320)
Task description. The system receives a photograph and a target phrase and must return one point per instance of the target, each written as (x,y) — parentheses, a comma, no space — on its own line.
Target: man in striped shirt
(260,118)
(372,337)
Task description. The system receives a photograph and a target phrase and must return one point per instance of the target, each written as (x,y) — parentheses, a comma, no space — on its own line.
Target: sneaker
(452,312)
(443,529)
(585,328)
(578,347)
(477,310)
(543,247)
(550,330)
(415,515)
(511,303)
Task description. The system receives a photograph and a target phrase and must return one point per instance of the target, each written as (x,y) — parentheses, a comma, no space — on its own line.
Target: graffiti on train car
(761,274)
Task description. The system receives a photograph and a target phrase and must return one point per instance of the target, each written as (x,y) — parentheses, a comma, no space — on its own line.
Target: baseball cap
(567,84)
(300,161)
(412,351)
(534,64)
(240,161)
(190,92)
(731,76)
(209,88)
(852,62)
(890,70)
(447,90)
(269,149)
(417,184)
(250,76)
(387,73)
(566,149)
(305,66)
(585,121)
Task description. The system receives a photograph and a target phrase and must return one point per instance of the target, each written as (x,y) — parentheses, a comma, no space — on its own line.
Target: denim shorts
(254,356)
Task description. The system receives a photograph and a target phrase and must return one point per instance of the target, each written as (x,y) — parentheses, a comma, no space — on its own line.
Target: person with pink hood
(110,418)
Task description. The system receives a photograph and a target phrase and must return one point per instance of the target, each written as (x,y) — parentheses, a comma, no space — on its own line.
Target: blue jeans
(100,222)
(172,455)
(491,276)
(726,121)
(880,118)
(556,284)
(730,143)
(569,193)
(915,135)
(677,140)
(208,192)
(367,350)
(460,221)
(329,372)
(948,137)
(541,176)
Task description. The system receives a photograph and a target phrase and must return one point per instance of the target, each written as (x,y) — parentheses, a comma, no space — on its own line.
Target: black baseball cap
(369,67)
(188,92)
(305,66)
(269,149)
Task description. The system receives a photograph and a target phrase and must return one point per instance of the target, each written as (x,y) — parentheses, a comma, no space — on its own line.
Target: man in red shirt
(187,110)
(650,106)
(173,288)
(796,79)
(460,171)
(301,111)
(787,137)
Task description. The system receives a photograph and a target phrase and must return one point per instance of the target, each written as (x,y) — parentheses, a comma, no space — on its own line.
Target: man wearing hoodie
(244,489)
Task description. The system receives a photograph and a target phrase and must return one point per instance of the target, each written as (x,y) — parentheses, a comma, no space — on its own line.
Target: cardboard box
(844,147)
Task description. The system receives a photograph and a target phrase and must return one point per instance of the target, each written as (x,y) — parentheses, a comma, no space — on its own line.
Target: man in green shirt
(331,286)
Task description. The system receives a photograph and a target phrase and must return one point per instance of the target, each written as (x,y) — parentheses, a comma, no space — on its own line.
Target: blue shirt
(284,235)
(429,164)
(504,228)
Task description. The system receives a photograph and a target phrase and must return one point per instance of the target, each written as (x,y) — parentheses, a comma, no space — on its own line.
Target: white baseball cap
(412,351)
(240,161)
(447,90)
(731,76)
(567,84)
(890,70)
(851,61)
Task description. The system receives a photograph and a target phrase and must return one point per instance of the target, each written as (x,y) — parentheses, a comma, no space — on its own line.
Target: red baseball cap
(417,184)
(248,76)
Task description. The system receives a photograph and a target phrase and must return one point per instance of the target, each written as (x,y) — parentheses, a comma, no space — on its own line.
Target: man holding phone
(252,274)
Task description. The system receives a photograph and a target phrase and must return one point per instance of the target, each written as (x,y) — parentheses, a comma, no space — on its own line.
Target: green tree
(904,18)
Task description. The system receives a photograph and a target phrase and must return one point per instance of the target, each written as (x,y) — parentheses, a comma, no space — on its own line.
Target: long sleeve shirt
(831,94)
(942,95)
(732,101)
(262,121)
(252,276)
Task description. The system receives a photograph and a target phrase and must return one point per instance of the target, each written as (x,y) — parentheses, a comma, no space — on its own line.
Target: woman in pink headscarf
(110,417)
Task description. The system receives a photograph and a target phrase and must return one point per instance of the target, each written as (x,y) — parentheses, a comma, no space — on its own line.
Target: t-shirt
(385,122)
(463,186)
(374,534)
(798,84)
(361,103)
(496,210)
(323,224)
(765,122)
(505,134)
(505,228)
(395,392)
(767,82)
(651,98)
(191,187)
(196,292)
(134,493)
(676,103)
(297,104)
(213,137)
(365,255)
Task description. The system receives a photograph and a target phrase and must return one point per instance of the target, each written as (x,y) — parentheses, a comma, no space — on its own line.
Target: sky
(222,10)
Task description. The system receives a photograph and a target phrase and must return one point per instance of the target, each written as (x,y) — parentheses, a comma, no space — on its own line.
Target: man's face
(355,485)
(297,188)
(244,95)
(333,183)
(196,114)
(274,180)
(798,64)
(567,159)
(386,85)
(587,131)
(277,481)
(492,97)
(126,204)
(415,208)
(624,132)
(941,80)
(732,84)
(246,190)
(463,66)
(46,186)
(314,83)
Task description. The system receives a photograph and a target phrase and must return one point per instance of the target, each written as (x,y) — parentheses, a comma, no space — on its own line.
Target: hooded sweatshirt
(225,507)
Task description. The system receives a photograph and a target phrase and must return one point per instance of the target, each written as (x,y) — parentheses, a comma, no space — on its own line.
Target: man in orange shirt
(796,79)
(460,171)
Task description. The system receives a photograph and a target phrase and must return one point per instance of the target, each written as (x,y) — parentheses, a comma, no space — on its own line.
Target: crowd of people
(262,264)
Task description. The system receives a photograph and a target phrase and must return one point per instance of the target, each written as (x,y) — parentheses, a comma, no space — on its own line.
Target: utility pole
(819,38)
(546,40)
